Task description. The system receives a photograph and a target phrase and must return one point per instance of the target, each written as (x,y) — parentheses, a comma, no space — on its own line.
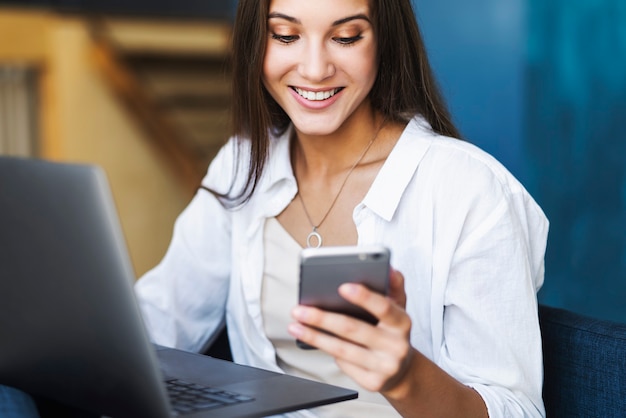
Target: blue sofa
(584,365)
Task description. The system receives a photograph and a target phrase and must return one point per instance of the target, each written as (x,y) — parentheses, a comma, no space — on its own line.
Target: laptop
(71,329)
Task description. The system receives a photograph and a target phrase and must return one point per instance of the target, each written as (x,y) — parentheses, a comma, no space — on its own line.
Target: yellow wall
(83,122)
(22,36)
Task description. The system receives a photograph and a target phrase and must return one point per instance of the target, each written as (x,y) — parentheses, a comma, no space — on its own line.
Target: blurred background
(141,88)
(541,85)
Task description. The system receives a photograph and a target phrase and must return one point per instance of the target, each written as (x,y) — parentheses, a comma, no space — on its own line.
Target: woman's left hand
(377,357)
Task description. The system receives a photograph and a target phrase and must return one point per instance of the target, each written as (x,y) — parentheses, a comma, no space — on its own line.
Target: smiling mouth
(317,95)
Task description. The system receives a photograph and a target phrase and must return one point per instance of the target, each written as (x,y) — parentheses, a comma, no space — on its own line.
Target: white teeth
(312,95)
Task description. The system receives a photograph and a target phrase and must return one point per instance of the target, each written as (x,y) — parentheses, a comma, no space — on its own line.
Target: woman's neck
(337,151)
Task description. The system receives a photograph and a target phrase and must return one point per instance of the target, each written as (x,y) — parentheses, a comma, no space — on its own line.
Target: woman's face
(320,62)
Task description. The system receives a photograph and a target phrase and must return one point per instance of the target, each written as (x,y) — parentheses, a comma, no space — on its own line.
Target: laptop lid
(70,327)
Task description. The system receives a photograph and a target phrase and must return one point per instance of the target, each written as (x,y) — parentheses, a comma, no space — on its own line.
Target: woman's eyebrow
(276,15)
(349,18)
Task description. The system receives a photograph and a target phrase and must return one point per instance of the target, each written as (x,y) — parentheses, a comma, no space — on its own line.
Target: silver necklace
(314,235)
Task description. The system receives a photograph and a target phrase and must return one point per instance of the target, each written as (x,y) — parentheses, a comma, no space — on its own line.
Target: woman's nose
(316,63)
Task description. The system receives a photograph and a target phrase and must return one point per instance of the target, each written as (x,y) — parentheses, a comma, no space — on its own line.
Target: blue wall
(477,50)
(541,85)
(576,113)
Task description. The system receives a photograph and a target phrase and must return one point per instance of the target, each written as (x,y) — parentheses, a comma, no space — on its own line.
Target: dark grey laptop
(70,328)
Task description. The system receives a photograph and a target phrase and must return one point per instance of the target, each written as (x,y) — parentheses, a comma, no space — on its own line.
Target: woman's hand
(376,357)
(380,357)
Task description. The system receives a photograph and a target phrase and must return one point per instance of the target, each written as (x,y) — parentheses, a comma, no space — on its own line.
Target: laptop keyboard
(187,397)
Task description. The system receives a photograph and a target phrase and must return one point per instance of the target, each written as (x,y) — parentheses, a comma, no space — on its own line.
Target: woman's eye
(347,41)
(285,39)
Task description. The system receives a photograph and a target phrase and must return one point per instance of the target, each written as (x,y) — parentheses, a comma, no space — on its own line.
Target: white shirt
(467,236)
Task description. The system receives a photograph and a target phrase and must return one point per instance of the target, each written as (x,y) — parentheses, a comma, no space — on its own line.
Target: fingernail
(295,329)
(299,312)
(349,288)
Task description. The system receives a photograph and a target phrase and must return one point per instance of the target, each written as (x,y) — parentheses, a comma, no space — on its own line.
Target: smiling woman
(341,139)
(315,53)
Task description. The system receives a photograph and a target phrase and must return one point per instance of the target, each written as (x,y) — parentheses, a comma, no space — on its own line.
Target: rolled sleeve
(492,339)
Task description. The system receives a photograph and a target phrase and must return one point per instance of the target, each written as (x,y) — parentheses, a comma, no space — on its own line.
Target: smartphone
(324,269)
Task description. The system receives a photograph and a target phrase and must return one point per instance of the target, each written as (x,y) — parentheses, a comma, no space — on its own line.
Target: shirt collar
(385,193)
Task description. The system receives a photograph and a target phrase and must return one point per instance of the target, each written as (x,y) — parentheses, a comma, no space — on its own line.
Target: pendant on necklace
(316,237)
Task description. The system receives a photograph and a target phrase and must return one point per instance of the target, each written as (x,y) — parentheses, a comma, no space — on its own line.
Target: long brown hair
(405,84)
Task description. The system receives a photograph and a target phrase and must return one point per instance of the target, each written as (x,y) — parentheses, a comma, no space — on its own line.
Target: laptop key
(187,397)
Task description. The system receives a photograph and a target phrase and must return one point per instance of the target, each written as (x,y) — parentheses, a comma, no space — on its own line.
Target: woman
(341,138)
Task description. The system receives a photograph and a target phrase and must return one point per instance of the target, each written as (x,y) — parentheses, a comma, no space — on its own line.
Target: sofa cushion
(584,365)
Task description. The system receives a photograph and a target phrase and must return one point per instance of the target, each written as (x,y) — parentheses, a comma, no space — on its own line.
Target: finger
(384,338)
(330,343)
(396,288)
(373,356)
(381,366)
(349,328)
(382,307)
